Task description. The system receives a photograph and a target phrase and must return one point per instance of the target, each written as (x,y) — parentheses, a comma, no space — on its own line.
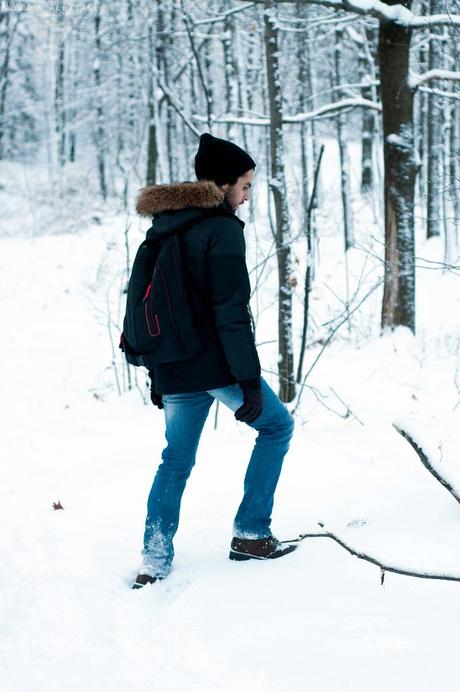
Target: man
(226,369)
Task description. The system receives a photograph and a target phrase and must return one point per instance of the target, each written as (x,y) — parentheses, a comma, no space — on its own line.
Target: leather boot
(267,548)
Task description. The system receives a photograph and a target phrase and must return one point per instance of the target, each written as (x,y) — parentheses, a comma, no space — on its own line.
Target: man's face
(239,192)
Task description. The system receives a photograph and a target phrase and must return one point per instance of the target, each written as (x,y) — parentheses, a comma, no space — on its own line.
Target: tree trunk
(312,130)
(421,118)
(454,167)
(368,116)
(447,108)
(449,183)
(72,112)
(59,110)
(400,168)
(241,77)
(100,136)
(434,144)
(231,76)
(5,45)
(171,129)
(278,187)
(343,151)
(304,162)
(152,146)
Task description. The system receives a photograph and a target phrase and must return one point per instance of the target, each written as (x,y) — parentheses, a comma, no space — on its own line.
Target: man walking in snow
(226,369)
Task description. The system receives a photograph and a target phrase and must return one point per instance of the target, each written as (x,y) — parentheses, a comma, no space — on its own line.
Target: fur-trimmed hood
(156,199)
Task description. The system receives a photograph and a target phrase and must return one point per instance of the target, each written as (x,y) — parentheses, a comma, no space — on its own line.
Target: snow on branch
(263,122)
(329,109)
(383,567)
(223,15)
(392,13)
(441,93)
(398,14)
(332,108)
(435,20)
(416,80)
(175,103)
(428,464)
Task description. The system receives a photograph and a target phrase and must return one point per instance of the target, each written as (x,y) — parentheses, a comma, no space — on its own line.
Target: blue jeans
(185,416)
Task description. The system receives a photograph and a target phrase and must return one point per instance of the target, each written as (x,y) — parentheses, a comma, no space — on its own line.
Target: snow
(356,102)
(416,80)
(318,619)
(394,13)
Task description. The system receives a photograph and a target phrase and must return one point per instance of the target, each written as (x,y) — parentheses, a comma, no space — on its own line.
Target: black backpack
(158,324)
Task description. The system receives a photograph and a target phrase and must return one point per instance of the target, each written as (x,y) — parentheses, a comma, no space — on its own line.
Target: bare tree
(308,269)
(152,104)
(434,125)
(345,191)
(400,169)
(8,28)
(59,105)
(282,226)
(99,134)
(366,64)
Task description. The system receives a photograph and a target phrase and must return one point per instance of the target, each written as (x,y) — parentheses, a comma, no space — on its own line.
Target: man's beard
(230,201)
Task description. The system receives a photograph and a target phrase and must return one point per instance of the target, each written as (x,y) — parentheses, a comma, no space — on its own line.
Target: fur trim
(157,198)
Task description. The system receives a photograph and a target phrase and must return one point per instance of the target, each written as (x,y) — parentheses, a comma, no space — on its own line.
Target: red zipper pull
(147,292)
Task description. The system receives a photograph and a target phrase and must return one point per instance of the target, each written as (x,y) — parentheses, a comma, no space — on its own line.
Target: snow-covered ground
(318,619)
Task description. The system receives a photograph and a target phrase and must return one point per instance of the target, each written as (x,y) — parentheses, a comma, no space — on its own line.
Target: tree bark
(421,118)
(434,143)
(171,122)
(152,145)
(5,44)
(304,158)
(454,167)
(231,76)
(345,191)
(278,188)
(368,118)
(100,135)
(399,180)
(59,109)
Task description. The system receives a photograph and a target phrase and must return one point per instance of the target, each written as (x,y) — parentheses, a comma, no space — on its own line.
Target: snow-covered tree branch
(396,13)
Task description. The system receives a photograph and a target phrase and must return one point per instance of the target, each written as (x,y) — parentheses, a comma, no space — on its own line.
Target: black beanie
(220,160)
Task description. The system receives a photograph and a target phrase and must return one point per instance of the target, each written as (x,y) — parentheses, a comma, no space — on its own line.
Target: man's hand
(252,401)
(154,397)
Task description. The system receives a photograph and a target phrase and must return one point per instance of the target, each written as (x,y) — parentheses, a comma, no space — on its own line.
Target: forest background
(351,110)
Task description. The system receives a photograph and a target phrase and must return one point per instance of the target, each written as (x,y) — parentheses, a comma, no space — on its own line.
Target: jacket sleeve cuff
(250,384)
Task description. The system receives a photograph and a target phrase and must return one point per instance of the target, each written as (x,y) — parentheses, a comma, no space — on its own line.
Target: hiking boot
(267,548)
(142,580)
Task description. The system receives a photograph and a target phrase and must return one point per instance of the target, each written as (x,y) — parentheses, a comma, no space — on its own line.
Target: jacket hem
(188,388)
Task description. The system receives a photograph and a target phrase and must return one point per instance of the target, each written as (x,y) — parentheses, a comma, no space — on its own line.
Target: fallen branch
(384,568)
(426,462)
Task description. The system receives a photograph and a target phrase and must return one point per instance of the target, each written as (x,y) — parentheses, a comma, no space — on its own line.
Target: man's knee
(176,461)
(281,427)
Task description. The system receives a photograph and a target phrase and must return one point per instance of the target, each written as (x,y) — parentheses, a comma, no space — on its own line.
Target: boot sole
(235,555)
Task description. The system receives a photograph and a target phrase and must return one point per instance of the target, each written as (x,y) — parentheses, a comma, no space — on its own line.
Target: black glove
(252,401)
(154,397)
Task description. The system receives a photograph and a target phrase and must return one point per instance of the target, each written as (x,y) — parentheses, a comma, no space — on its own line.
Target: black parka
(217,283)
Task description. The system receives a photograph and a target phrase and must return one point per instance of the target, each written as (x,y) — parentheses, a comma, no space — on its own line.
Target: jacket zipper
(154,330)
